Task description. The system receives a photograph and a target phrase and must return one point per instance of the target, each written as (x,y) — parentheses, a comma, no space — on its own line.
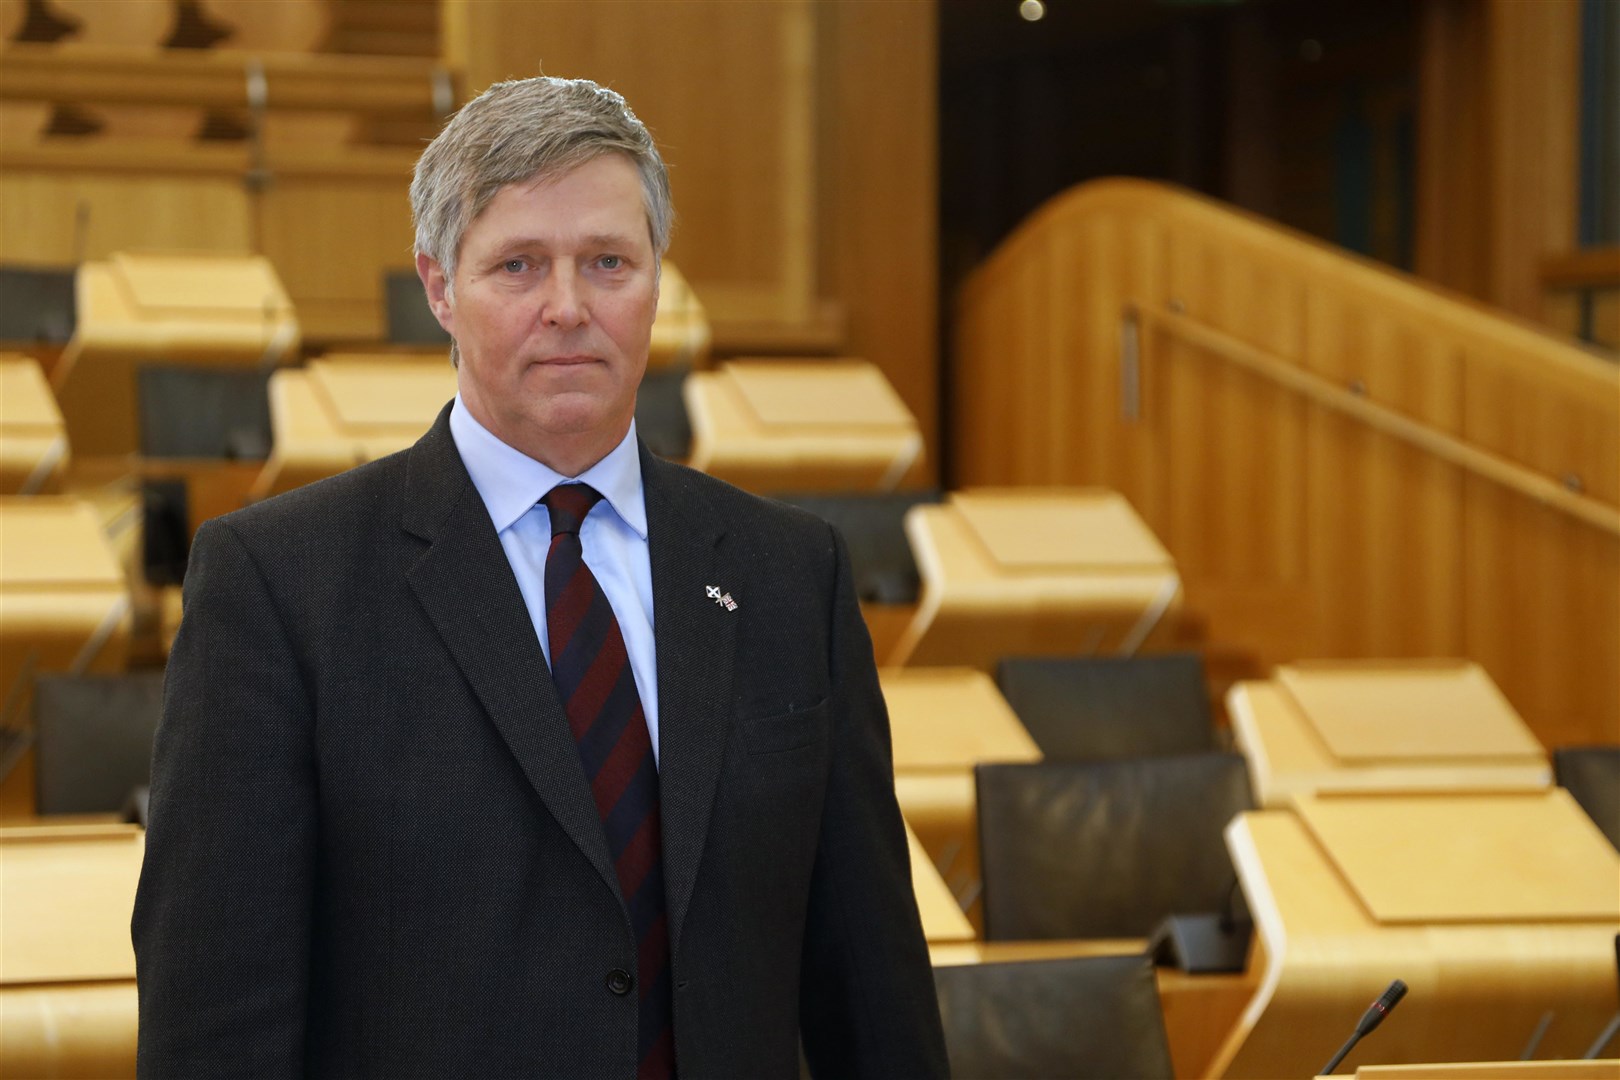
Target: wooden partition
(1342,460)
(85,200)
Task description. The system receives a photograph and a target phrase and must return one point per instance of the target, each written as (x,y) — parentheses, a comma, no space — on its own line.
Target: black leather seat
(93,740)
(204,412)
(873,524)
(410,319)
(661,419)
(1094,1016)
(1592,775)
(193,414)
(1096,708)
(37,305)
(1106,849)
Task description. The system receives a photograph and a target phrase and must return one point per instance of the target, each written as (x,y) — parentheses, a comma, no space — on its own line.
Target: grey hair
(519,130)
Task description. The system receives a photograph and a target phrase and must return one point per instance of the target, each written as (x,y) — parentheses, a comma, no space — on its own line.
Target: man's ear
(436,285)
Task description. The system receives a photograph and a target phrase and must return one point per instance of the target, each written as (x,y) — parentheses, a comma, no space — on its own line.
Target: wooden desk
(1034,572)
(342,411)
(137,309)
(67,967)
(1603,1069)
(812,425)
(1382,726)
(64,605)
(950,719)
(942,722)
(942,920)
(33,439)
(1199,1010)
(1480,980)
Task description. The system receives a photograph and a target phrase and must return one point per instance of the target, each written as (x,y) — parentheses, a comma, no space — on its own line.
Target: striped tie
(598,690)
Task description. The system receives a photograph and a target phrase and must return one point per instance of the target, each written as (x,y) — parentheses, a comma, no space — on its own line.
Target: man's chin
(564,417)
(578,422)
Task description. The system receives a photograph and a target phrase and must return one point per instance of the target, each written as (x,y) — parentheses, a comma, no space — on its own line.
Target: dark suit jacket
(372,850)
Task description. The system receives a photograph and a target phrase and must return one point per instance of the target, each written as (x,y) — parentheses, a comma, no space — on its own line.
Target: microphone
(1370,1019)
(1536,1036)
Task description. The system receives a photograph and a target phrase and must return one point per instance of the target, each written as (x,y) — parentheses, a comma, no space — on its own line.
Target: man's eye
(514,266)
(610,262)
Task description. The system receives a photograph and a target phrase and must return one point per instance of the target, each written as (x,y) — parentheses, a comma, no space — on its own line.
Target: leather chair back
(1592,775)
(1094,1016)
(1106,849)
(661,419)
(1095,708)
(93,740)
(37,305)
(873,524)
(410,319)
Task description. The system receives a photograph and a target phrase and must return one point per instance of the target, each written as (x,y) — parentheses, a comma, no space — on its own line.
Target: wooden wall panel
(1385,519)
(1497,145)
(1032,299)
(1235,440)
(41,202)
(1452,245)
(877,214)
(1541,595)
(979,449)
(1304,526)
(1122,257)
(1533,74)
(331,238)
(1543,591)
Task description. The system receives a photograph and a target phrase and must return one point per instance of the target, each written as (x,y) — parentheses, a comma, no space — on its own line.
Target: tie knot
(568,504)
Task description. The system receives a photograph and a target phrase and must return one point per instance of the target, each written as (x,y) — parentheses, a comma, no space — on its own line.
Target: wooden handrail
(1588,268)
(1526,482)
(220,79)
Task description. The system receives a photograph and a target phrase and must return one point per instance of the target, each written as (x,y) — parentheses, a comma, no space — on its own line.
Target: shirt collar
(511,482)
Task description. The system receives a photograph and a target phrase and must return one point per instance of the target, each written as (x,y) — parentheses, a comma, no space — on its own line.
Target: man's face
(555,292)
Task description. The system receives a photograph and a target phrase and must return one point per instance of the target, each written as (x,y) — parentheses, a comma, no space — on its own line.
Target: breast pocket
(786,731)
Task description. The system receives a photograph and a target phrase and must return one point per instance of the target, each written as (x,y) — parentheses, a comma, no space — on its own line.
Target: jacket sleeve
(867,1003)
(222,914)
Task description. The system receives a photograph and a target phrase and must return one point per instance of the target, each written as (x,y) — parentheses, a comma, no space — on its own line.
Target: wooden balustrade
(1343,460)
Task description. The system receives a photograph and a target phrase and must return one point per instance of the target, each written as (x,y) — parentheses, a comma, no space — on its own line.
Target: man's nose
(563,300)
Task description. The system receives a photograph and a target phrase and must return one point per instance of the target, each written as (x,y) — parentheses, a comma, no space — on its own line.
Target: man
(522,752)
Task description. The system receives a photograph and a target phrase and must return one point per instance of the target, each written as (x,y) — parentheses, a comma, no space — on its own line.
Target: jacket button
(620,982)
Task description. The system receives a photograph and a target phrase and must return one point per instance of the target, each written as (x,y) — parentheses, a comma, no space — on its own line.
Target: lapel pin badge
(723,599)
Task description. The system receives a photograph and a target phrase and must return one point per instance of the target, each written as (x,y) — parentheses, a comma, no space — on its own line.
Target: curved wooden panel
(1343,460)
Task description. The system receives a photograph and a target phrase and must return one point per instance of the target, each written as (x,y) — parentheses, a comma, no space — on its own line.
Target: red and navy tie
(598,689)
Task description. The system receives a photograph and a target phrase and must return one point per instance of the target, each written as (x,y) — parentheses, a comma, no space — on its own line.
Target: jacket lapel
(465,584)
(695,639)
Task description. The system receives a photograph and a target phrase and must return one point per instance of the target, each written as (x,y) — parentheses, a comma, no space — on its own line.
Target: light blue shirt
(613,536)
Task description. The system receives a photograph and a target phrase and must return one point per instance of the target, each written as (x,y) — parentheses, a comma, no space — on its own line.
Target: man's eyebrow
(545,243)
(608,240)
